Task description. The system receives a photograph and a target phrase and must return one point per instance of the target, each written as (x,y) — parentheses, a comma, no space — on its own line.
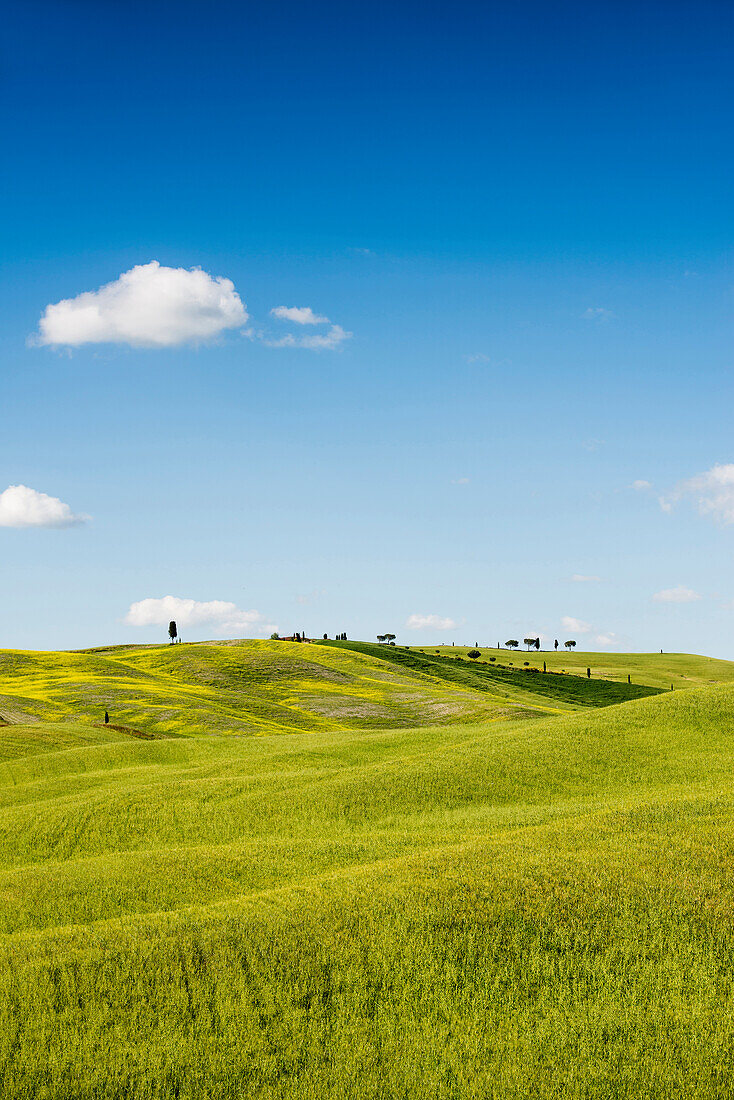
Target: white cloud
(606,639)
(316,341)
(712,492)
(641,485)
(480,357)
(299,315)
(679,594)
(24,507)
(222,615)
(460,481)
(597,313)
(148,306)
(424,622)
(578,626)
(326,341)
(582,578)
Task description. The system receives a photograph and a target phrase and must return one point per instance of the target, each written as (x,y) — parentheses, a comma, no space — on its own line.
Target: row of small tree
(386,638)
(534,643)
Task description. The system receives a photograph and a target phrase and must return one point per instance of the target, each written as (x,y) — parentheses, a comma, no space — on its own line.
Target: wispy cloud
(149,306)
(299,315)
(479,357)
(583,578)
(460,481)
(597,313)
(24,507)
(426,622)
(712,492)
(224,617)
(679,594)
(640,485)
(598,637)
(326,341)
(330,340)
(578,626)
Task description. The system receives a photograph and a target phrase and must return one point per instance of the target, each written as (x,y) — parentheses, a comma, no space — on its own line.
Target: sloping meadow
(248,687)
(505,908)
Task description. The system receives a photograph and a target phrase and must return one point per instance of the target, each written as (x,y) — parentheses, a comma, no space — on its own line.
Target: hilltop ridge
(260,687)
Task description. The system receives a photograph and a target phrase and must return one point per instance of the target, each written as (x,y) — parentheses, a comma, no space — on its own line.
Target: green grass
(497,908)
(528,685)
(246,687)
(659,670)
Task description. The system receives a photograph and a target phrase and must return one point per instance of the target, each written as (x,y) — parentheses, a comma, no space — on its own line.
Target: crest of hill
(242,687)
(660,670)
(247,687)
(520,681)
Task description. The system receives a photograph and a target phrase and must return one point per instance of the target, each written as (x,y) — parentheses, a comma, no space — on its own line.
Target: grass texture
(245,687)
(500,908)
(512,682)
(658,670)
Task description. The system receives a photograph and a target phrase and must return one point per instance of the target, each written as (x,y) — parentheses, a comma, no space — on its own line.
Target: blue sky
(519,219)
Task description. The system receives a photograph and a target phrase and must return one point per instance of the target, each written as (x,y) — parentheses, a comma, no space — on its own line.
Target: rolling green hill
(514,682)
(658,670)
(243,687)
(500,907)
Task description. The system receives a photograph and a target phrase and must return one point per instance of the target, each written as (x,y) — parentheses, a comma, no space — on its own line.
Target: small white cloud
(317,341)
(582,578)
(460,481)
(597,313)
(223,616)
(480,357)
(24,507)
(578,626)
(424,622)
(606,639)
(679,594)
(641,485)
(304,315)
(711,491)
(148,306)
(329,340)
(299,315)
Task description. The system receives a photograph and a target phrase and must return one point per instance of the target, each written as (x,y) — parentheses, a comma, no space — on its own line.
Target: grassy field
(659,670)
(245,687)
(502,907)
(561,690)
